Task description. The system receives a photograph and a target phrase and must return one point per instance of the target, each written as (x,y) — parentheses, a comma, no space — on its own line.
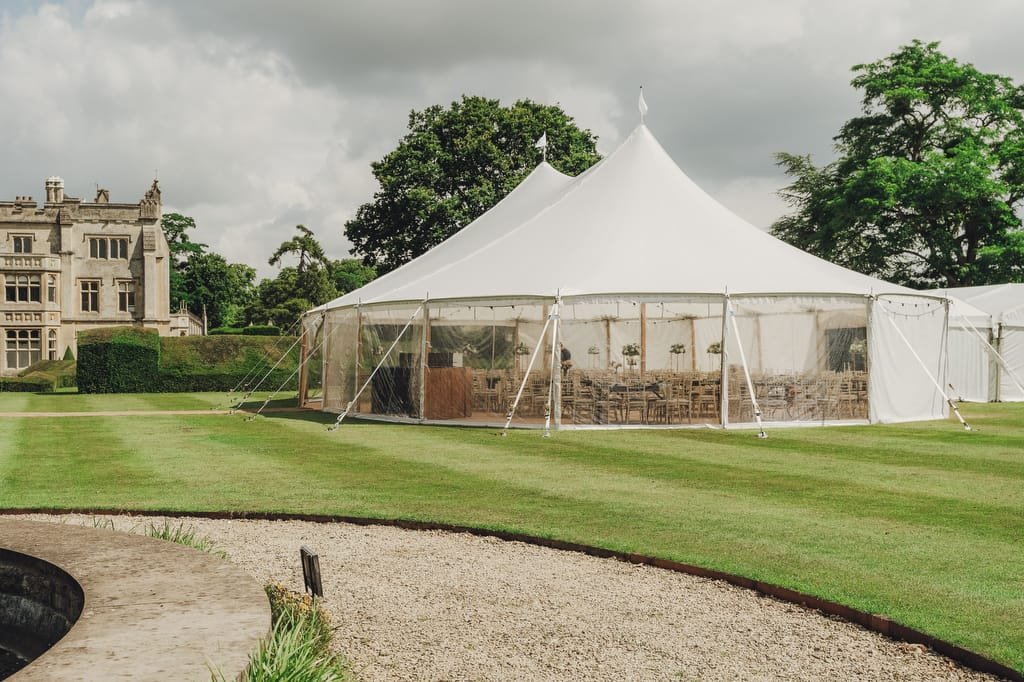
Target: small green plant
(631,350)
(299,644)
(715,348)
(677,348)
(183,536)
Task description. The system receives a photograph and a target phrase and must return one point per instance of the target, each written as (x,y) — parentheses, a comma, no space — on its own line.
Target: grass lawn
(922,522)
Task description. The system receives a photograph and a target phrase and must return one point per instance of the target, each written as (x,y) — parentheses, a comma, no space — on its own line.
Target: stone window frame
(126,291)
(19,242)
(51,344)
(103,247)
(22,287)
(51,289)
(20,344)
(89,290)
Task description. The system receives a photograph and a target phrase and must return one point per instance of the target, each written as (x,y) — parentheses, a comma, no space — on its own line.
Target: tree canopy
(453,165)
(201,279)
(928,181)
(298,288)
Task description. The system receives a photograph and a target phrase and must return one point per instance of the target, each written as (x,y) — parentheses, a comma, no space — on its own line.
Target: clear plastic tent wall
(636,361)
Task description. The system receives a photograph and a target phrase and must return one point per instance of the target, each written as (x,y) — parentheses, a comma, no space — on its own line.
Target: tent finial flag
(642,105)
(542,145)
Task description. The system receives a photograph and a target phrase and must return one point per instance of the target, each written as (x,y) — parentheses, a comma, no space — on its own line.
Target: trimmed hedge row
(114,362)
(26,385)
(252,330)
(56,373)
(118,360)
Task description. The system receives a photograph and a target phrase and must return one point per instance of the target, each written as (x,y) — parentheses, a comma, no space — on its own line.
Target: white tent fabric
(1004,303)
(634,251)
(970,360)
(634,223)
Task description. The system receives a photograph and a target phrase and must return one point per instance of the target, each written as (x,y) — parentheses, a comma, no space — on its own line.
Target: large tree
(296,289)
(453,165)
(220,289)
(176,229)
(928,181)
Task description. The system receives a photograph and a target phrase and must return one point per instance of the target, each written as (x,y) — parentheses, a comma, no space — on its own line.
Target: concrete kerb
(874,622)
(154,610)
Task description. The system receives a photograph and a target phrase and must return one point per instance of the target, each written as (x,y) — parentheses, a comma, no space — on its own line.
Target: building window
(90,296)
(108,248)
(22,347)
(22,243)
(51,344)
(126,296)
(21,288)
(51,288)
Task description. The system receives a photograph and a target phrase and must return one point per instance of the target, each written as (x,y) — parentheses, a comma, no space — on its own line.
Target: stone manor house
(69,265)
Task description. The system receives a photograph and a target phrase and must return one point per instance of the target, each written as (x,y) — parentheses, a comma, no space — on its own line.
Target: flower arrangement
(677,348)
(593,350)
(715,348)
(859,347)
(521,349)
(631,350)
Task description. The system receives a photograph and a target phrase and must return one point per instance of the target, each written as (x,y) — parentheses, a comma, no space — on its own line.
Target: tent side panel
(339,358)
(900,388)
(968,365)
(1012,350)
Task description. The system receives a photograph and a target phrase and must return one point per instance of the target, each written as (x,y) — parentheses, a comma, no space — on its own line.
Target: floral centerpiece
(715,348)
(677,349)
(631,351)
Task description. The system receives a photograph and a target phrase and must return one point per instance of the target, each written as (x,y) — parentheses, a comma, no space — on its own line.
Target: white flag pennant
(642,105)
(542,143)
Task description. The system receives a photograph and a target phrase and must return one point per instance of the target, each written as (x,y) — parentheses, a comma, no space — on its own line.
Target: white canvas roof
(1004,302)
(632,224)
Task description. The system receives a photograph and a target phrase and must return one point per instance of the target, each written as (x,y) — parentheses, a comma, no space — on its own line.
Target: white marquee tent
(673,309)
(1003,304)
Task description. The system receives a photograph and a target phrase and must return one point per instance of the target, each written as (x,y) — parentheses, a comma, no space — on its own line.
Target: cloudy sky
(260,114)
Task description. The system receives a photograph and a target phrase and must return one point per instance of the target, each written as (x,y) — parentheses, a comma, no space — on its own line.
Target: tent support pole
(555,380)
(1001,360)
(724,364)
(526,377)
(643,340)
(341,417)
(746,374)
(949,400)
(359,350)
(424,364)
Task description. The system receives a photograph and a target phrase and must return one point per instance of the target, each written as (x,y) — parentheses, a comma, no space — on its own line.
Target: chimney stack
(54,190)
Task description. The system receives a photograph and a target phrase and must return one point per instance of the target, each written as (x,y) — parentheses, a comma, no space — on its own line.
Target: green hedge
(185,363)
(252,330)
(58,373)
(26,385)
(117,360)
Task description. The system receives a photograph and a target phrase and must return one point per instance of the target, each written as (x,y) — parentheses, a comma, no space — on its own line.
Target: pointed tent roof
(1004,302)
(632,224)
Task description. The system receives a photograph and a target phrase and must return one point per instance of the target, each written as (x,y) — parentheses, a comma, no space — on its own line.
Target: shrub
(117,360)
(262,330)
(34,384)
(252,330)
(60,373)
(299,645)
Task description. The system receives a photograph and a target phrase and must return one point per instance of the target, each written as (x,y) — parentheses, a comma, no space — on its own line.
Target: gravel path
(413,605)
